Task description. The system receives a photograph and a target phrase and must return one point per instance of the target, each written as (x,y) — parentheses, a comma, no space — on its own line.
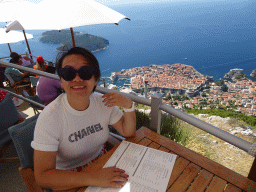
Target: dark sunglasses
(69,73)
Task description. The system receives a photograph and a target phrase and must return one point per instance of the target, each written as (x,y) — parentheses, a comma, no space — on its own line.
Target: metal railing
(156,107)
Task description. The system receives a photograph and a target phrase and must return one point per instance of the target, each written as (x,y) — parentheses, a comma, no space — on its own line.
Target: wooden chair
(9,116)
(34,81)
(22,135)
(36,99)
(19,85)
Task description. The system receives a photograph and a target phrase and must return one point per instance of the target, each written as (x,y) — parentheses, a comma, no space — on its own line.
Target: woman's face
(77,87)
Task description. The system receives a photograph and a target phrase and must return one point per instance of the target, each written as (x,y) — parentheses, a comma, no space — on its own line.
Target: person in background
(71,131)
(16,74)
(23,61)
(2,76)
(48,89)
(40,64)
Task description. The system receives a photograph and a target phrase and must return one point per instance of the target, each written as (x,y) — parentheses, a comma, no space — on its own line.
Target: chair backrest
(36,99)
(9,115)
(33,80)
(22,135)
(9,77)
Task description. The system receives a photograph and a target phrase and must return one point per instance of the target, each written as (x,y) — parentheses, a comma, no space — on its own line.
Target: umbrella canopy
(12,37)
(11,9)
(62,14)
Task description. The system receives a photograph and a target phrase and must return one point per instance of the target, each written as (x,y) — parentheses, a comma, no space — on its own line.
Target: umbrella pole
(27,44)
(72,36)
(9,47)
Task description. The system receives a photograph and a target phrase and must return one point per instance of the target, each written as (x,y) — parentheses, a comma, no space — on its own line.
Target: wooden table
(192,172)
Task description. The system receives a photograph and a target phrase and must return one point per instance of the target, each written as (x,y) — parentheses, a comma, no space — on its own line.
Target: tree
(220,82)
(141,91)
(224,88)
(177,97)
(204,95)
(167,98)
(240,76)
(184,97)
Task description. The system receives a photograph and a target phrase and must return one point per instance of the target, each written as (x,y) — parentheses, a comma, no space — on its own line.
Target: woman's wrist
(129,109)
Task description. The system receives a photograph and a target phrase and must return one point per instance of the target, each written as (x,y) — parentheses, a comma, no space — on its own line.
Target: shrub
(171,128)
(142,119)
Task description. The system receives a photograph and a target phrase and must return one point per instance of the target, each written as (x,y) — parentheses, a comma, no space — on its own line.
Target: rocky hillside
(221,151)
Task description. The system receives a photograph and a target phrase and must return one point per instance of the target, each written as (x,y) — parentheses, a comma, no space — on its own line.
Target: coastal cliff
(253,74)
(90,42)
(235,74)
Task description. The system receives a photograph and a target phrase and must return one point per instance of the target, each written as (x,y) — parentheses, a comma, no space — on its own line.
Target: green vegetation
(224,88)
(250,120)
(204,95)
(141,91)
(171,128)
(63,37)
(167,98)
(220,82)
(180,97)
(240,76)
(142,119)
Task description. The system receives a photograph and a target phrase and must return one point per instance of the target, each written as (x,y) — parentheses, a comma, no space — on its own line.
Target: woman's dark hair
(92,61)
(12,61)
(50,69)
(15,56)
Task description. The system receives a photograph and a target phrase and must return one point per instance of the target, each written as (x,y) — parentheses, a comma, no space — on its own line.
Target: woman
(40,64)
(24,61)
(47,89)
(71,131)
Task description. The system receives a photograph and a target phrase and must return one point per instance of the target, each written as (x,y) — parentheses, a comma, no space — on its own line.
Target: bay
(214,36)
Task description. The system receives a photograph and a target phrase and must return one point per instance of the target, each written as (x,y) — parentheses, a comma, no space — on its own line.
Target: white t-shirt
(77,136)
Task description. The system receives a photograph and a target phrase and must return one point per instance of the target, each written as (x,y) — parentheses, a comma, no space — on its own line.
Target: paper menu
(148,169)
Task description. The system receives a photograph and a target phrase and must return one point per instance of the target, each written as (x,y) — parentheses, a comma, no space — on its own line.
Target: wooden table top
(192,172)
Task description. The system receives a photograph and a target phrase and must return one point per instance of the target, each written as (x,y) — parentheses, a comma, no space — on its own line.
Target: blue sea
(212,36)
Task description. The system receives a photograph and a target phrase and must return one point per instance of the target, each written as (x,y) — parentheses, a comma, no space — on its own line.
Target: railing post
(155,123)
(146,90)
(105,83)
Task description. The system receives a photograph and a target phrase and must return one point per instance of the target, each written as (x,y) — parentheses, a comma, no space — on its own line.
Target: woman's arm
(126,126)
(47,176)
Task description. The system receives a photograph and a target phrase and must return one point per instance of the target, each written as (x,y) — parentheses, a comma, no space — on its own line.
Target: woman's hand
(110,177)
(115,99)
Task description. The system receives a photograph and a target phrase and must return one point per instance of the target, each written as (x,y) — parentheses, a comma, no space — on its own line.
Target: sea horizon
(212,36)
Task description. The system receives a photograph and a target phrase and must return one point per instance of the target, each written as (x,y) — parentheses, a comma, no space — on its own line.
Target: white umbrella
(10,10)
(12,37)
(62,14)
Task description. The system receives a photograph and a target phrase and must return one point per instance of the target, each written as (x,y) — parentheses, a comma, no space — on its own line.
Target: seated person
(48,89)
(24,61)
(71,131)
(16,74)
(2,76)
(40,64)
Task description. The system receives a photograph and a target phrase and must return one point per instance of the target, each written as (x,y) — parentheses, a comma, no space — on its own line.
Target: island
(63,37)
(235,74)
